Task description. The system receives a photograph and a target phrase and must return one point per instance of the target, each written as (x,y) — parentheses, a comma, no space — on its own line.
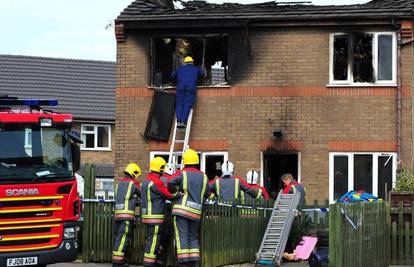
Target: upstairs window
(208,51)
(363,59)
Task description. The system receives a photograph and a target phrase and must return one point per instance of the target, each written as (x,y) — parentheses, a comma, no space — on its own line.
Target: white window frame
(350,82)
(350,156)
(95,133)
(202,156)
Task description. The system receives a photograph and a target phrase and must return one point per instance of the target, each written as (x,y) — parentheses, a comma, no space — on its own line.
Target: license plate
(21,261)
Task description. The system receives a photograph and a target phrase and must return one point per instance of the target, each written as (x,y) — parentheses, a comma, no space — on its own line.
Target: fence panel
(229,234)
(402,234)
(362,239)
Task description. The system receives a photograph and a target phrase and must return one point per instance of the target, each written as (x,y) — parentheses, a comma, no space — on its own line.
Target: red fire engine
(39,203)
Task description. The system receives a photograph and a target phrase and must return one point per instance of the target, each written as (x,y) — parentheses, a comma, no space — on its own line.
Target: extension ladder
(278,229)
(185,141)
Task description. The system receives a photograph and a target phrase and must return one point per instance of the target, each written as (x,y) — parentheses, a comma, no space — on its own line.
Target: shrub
(405,180)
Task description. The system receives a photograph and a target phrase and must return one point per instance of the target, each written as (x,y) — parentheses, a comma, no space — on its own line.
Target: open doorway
(275,164)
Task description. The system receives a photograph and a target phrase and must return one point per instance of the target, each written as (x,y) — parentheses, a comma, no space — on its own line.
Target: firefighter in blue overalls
(127,193)
(229,187)
(186,76)
(153,196)
(191,189)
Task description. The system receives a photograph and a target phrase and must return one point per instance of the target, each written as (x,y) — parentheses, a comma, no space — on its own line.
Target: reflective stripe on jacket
(153,195)
(231,188)
(126,194)
(193,187)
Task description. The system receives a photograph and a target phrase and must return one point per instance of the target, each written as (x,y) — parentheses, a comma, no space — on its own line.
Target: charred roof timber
(146,13)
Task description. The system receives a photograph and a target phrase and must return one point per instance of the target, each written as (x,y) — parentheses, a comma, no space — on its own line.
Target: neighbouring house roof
(84,88)
(102,170)
(160,10)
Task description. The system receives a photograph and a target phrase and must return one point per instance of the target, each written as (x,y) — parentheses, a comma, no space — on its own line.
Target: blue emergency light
(14,101)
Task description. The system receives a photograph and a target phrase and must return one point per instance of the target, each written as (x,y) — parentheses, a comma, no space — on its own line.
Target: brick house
(323,92)
(84,88)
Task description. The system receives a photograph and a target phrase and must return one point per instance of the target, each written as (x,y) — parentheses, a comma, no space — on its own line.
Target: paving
(81,264)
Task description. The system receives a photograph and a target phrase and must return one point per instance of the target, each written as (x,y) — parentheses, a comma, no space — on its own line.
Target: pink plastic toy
(305,247)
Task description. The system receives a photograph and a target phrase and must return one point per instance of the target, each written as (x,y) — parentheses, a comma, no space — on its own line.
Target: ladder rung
(179,141)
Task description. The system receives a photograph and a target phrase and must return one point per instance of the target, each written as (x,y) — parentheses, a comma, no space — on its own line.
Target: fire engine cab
(39,203)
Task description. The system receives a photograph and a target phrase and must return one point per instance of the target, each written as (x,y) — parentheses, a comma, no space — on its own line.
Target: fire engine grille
(25,214)
(25,231)
(24,242)
(45,202)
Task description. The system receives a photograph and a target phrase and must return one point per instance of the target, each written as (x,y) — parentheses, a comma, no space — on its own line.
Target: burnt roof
(158,10)
(84,88)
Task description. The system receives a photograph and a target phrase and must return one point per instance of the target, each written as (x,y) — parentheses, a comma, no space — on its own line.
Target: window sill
(97,149)
(361,85)
(198,87)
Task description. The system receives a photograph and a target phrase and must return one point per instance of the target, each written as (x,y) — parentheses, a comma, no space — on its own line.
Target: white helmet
(227,168)
(169,169)
(252,176)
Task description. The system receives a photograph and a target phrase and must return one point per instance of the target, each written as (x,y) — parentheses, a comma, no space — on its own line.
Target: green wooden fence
(365,246)
(402,235)
(228,234)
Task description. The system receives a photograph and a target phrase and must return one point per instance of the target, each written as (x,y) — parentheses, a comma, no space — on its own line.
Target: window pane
(164,156)
(88,140)
(340,176)
(362,56)
(88,128)
(363,173)
(384,175)
(340,58)
(103,136)
(213,166)
(108,186)
(385,57)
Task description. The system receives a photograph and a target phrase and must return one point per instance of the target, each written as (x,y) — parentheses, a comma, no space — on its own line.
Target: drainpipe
(399,96)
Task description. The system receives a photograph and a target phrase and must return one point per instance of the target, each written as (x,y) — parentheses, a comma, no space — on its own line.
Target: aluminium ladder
(278,229)
(185,141)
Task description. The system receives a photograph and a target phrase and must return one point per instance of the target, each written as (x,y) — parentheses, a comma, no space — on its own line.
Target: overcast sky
(71,28)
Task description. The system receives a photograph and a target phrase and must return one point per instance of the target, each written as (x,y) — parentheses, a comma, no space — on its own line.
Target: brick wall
(98,157)
(282,85)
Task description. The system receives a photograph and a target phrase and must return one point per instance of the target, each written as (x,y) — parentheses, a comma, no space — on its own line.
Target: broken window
(340,58)
(209,53)
(363,58)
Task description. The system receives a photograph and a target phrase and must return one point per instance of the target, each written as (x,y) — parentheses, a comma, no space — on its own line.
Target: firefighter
(153,195)
(186,76)
(191,188)
(168,174)
(229,187)
(251,178)
(291,186)
(127,193)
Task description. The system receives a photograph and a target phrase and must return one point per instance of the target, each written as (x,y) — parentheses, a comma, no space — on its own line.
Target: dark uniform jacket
(193,185)
(127,193)
(153,195)
(293,187)
(231,188)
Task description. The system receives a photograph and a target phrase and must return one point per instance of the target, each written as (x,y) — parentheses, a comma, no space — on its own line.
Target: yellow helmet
(190,157)
(157,164)
(133,170)
(188,59)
